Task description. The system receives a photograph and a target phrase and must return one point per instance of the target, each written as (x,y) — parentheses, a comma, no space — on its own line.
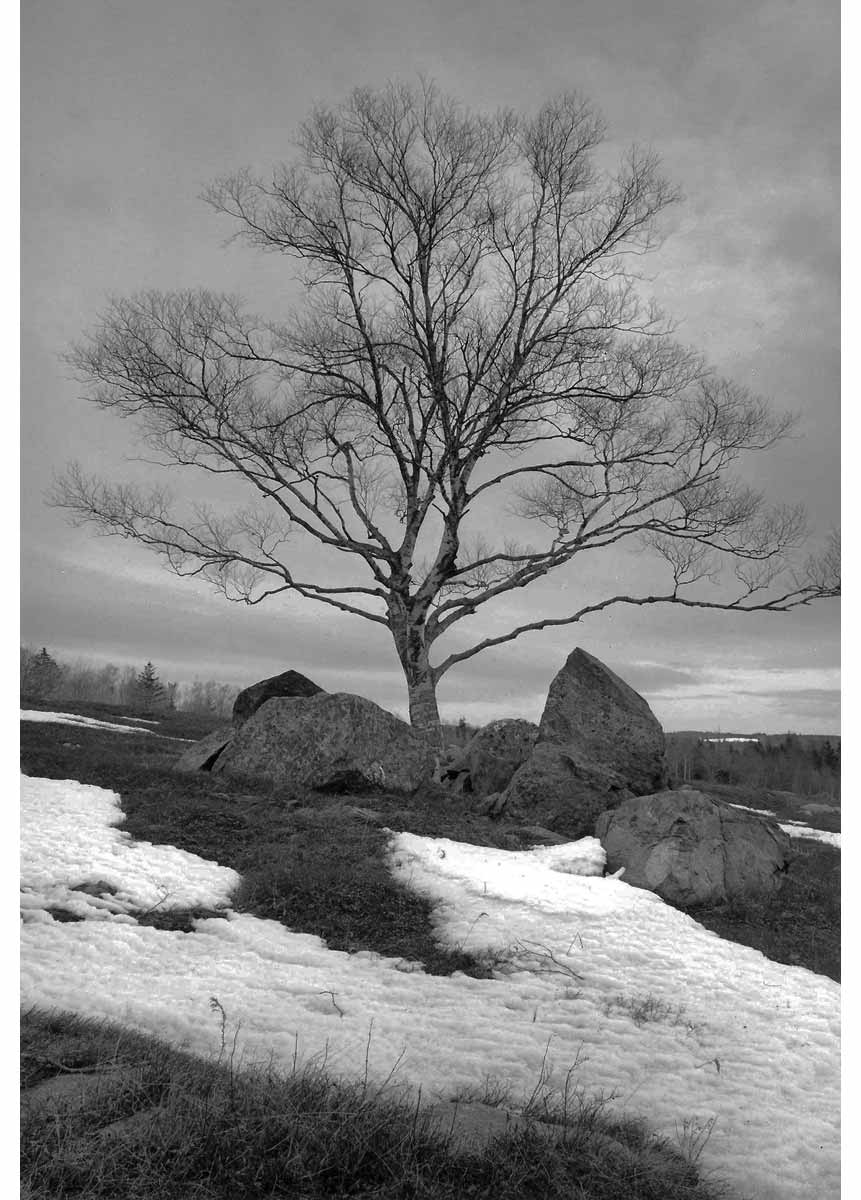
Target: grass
(214,1130)
(644,1009)
(162,1124)
(338,885)
(800,925)
(786,806)
(310,861)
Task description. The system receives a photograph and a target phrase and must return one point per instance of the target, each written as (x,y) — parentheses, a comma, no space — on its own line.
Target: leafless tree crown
(472,335)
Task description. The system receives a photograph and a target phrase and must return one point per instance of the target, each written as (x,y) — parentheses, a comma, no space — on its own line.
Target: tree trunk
(424,714)
(419,675)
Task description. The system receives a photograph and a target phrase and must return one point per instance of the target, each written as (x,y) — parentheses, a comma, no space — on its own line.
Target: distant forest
(808,764)
(44,677)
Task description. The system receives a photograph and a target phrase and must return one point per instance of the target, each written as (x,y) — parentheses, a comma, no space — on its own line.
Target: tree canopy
(472,336)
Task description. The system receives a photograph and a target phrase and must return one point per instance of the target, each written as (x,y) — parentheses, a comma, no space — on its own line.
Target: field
(339,886)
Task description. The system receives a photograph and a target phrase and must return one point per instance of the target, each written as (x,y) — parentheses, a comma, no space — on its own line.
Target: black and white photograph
(430,658)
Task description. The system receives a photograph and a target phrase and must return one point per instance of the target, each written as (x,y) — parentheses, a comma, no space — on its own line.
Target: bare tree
(472,333)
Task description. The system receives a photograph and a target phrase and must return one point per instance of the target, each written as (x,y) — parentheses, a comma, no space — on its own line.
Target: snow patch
(763,812)
(52,718)
(796,829)
(732,1037)
(68,839)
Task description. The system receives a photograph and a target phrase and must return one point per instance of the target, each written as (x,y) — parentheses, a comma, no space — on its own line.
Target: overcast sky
(129,109)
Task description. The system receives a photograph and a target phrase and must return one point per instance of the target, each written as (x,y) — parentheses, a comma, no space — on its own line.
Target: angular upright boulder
(329,741)
(598,743)
(288,683)
(691,848)
(598,718)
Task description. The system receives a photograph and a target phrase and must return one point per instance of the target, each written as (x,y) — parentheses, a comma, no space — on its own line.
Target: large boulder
(202,755)
(690,848)
(599,719)
(333,741)
(490,758)
(562,791)
(288,683)
(598,743)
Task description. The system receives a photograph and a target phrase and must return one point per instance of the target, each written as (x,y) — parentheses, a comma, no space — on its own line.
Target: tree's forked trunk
(420,678)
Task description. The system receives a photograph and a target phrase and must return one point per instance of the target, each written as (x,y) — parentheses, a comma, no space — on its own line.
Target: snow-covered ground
(52,718)
(78,820)
(797,828)
(731,1039)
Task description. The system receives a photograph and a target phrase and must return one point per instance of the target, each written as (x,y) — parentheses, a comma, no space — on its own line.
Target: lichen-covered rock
(561,791)
(598,743)
(690,848)
(493,754)
(203,755)
(288,683)
(329,741)
(599,719)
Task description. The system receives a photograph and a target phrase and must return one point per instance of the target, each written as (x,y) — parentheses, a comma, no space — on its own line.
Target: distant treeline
(44,677)
(808,764)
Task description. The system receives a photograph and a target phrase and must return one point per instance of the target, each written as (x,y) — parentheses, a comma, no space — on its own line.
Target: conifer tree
(149,691)
(40,675)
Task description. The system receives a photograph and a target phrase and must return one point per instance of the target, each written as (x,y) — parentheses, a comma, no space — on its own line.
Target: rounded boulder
(690,848)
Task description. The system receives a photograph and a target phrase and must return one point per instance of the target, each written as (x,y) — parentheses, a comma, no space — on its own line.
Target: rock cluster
(490,758)
(332,741)
(598,743)
(594,764)
(288,683)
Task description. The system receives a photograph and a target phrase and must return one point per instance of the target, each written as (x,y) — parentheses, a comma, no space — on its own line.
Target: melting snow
(52,718)
(733,1038)
(32,714)
(797,828)
(68,838)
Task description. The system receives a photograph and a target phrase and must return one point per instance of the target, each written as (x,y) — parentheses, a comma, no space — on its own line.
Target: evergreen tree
(149,692)
(40,675)
(831,756)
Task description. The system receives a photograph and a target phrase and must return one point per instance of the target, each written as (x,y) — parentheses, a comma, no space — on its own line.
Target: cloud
(128,112)
(654,678)
(747,700)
